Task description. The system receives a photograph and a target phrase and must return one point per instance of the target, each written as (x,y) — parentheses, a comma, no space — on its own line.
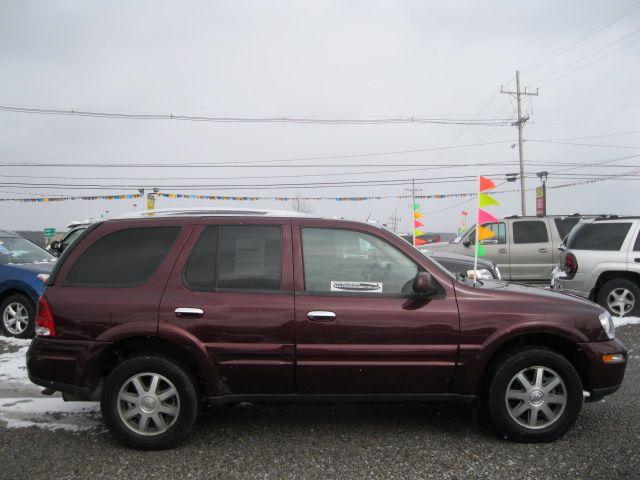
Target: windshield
(19,250)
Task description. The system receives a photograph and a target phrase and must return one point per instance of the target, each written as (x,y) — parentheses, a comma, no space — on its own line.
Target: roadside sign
(49,232)
(541,202)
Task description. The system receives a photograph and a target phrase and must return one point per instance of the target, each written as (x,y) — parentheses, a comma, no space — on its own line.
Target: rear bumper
(604,379)
(68,366)
(580,284)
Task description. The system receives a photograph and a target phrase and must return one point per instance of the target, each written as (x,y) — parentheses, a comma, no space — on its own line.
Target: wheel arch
(126,348)
(608,275)
(554,341)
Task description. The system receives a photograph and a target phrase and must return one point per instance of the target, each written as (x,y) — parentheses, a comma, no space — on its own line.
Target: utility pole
(413,203)
(520,125)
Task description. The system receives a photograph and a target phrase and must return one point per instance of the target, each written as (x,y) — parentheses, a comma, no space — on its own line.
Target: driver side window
(347,261)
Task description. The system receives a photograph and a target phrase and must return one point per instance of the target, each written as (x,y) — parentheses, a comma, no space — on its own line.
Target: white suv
(600,260)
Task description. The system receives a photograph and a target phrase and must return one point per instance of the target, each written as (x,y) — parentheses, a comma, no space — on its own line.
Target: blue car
(21,261)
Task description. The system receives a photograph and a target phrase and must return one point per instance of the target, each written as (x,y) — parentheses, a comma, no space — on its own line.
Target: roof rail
(212,211)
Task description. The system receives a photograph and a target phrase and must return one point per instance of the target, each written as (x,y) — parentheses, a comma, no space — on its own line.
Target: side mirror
(423,284)
(466,243)
(56,247)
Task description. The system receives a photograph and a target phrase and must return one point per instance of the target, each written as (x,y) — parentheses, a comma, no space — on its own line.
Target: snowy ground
(21,403)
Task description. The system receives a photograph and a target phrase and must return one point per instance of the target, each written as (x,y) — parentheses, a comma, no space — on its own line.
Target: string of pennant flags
(242,198)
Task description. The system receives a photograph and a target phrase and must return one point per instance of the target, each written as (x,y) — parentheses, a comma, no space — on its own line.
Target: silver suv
(601,261)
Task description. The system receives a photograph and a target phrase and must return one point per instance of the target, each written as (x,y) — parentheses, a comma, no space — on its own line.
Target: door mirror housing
(466,243)
(56,247)
(424,285)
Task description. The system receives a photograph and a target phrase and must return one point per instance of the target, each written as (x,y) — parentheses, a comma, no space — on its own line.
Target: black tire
(189,402)
(619,284)
(507,368)
(27,304)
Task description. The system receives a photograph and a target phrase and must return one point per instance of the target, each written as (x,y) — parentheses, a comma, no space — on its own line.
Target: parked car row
(21,261)
(156,314)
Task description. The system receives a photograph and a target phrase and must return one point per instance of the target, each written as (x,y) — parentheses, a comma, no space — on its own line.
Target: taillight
(44,319)
(570,264)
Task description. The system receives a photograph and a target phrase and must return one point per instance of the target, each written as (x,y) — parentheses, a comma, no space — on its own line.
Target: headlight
(607,325)
(483,274)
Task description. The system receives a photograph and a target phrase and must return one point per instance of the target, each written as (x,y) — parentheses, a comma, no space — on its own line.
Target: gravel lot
(50,439)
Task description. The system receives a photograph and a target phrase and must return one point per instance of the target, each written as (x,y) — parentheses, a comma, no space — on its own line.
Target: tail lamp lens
(44,319)
(570,264)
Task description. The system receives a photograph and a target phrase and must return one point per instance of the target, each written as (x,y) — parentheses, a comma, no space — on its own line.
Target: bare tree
(300,205)
(394,221)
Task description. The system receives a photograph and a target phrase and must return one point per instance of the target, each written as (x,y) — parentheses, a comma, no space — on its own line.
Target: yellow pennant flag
(417,233)
(484,233)
(486,200)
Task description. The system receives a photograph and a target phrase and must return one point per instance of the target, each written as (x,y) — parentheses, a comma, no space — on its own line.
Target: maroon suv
(156,314)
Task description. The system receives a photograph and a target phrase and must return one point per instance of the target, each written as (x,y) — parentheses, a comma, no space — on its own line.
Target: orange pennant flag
(484,233)
(420,241)
(417,215)
(486,184)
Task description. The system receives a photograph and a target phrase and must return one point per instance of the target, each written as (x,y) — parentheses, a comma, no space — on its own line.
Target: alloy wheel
(621,301)
(536,397)
(15,318)
(148,403)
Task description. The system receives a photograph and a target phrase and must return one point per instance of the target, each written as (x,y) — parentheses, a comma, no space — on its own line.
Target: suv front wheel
(149,403)
(535,395)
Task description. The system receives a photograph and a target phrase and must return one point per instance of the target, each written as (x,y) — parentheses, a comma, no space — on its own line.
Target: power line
(552,74)
(251,163)
(584,37)
(555,142)
(589,63)
(282,119)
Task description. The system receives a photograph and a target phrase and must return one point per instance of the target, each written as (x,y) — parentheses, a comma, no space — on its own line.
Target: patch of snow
(49,413)
(13,365)
(623,321)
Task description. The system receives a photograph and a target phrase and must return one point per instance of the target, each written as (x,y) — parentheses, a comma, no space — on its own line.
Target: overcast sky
(314,59)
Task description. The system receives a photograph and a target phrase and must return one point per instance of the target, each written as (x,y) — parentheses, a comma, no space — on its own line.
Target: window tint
(353,262)
(250,258)
(200,272)
(71,237)
(531,231)
(636,247)
(564,225)
(598,236)
(123,258)
(499,231)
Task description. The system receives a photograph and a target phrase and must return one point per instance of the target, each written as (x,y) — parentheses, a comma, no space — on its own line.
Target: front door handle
(502,250)
(188,312)
(543,250)
(320,316)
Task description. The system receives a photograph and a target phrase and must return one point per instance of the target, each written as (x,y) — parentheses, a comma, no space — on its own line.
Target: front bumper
(603,379)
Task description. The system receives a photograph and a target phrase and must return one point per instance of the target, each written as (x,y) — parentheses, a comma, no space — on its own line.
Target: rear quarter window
(598,236)
(123,258)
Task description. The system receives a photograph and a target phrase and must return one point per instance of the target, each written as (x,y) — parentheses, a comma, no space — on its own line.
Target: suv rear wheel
(17,316)
(535,395)
(149,402)
(620,297)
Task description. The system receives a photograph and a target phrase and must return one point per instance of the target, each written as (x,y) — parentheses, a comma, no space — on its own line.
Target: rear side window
(124,258)
(243,257)
(636,247)
(599,236)
(531,231)
(564,225)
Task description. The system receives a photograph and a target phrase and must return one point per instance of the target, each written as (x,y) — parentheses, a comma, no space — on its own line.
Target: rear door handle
(543,250)
(188,312)
(320,316)
(502,250)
